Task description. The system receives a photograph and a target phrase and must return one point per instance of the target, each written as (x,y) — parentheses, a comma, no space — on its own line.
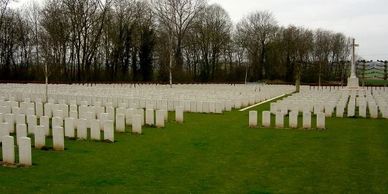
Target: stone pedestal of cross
(353,81)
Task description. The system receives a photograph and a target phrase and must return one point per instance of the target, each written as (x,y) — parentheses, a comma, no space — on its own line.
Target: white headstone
(219,108)
(186,106)
(48,110)
(89,115)
(205,107)
(21,131)
(351,110)
(40,137)
(266,119)
(293,119)
(58,139)
(10,119)
(111,112)
(103,117)
(307,120)
(95,130)
(99,110)
(108,131)
(150,118)
(70,127)
(165,115)
(73,107)
(179,114)
(384,112)
(279,120)
(160,118)
(8,149)
(253,119)
(136,124)
(321,121)
(373,111)
(128,116)
(45,122)
(4,130)
(21,119)
(199,107)
(362,110)
(57,122)
(340,111)
(274,107)
(82,131)
(30,111)
(39,109)
(212,107)
(25,151)
(120,122)
(329,110)
(120,110)
(193,106)
(32,123)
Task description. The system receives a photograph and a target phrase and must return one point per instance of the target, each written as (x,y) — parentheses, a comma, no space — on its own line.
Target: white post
(171,56)
(46,81)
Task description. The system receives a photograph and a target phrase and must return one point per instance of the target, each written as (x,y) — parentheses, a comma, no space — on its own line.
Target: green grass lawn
(215,154)
(376,82)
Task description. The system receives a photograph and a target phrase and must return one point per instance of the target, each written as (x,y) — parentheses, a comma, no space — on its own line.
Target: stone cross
(353,62)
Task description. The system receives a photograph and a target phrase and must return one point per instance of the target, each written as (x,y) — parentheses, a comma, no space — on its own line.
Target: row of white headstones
(338,103)
(73,114)
(72,128)
(194,98)
(293,120)
(73,110)
(324,102)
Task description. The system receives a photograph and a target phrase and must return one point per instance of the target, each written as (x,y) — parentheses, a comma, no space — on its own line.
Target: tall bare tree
(177,16)
(212,32)
(258,30)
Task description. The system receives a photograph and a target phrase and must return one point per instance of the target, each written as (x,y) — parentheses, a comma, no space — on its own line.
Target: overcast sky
(365,20)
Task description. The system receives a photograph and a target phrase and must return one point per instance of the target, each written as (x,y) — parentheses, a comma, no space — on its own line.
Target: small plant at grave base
(47,148)
(109,142)
(7,165)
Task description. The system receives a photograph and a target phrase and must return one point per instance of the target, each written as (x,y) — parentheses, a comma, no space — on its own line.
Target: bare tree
(212,31)
(176,16)
(33,14)
(258,30)
(322,51)
(3,8)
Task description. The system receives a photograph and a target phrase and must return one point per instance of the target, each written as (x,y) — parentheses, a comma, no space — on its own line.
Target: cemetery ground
(215,154)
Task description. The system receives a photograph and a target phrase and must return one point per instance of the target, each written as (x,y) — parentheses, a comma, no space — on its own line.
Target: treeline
(161,40)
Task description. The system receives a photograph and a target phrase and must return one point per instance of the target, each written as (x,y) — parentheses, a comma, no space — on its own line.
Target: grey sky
(365,20)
